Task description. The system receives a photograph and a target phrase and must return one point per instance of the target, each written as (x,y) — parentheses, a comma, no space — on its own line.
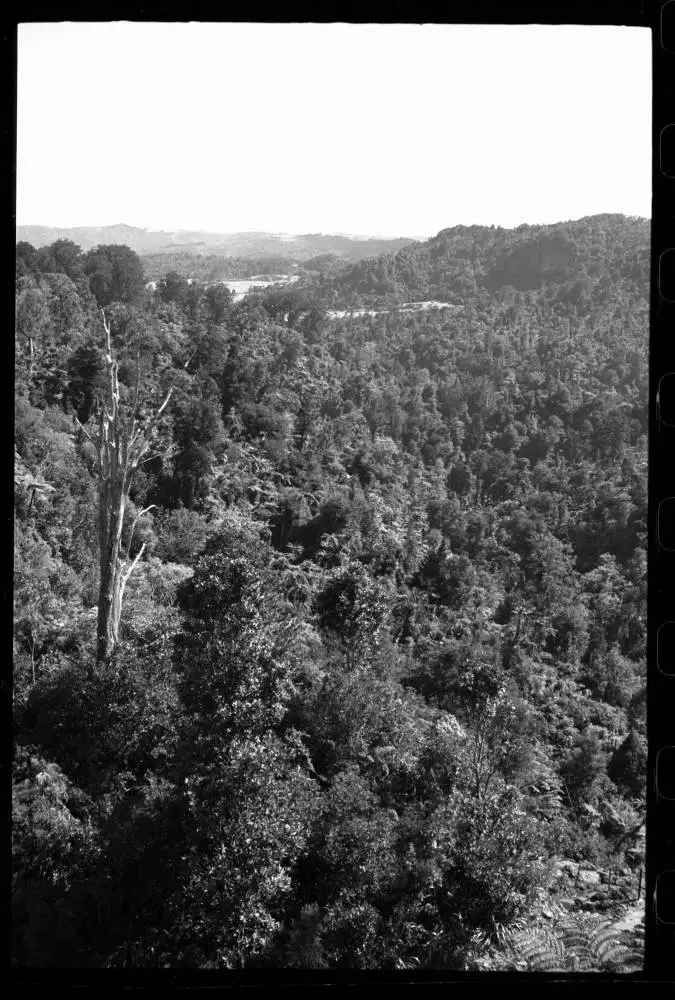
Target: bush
(54,848)
(120,719)
(627,766)
(181,536)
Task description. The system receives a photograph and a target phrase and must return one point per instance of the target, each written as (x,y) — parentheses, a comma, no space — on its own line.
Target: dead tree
(122,441)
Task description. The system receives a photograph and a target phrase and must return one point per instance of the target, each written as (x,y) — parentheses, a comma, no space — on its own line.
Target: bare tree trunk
(116,568)
(110,594)
(31,361)
(121,446)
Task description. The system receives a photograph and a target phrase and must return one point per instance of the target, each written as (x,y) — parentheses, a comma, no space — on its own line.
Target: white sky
(397,130)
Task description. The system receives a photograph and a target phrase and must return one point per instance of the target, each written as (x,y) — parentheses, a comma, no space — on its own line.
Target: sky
(369,129)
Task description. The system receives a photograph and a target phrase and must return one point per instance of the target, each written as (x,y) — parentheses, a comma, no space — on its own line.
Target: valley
(370,692)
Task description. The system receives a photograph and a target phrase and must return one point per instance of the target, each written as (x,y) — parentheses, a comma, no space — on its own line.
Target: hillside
(461,261)
(254,244)
(375,697)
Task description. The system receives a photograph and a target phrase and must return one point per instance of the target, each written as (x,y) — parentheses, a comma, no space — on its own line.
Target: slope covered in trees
(381,660)
(575,257)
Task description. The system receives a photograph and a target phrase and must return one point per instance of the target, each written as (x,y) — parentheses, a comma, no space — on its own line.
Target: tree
(26,260)
(115,274)
(173,288)
(32,318)
(584,770)
(353,612)
(62,257)
(242,777)
(123,439)
(219,299)
(627,767)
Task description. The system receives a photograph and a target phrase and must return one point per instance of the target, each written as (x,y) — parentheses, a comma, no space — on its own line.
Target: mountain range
(250,244)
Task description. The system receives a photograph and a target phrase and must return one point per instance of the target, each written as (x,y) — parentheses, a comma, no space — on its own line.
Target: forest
(329,634)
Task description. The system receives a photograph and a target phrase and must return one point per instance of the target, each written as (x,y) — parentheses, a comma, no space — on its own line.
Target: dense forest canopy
(211,268)
(381,660)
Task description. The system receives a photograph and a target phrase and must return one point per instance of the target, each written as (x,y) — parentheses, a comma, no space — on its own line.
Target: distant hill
(251,245)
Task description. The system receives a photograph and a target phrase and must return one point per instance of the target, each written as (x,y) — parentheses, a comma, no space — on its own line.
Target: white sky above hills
(392,130)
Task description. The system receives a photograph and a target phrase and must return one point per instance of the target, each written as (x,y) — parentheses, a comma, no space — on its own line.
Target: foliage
(628,764)
(115,274)
(580,944)
(383,654)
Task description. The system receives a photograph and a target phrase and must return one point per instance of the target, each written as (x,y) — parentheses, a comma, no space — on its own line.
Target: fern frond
(606,943)
(542,950)
(583,943)
(596,944)
(533,948)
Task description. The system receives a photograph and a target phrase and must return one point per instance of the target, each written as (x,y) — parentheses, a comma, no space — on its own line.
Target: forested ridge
(380,668)
(461,262)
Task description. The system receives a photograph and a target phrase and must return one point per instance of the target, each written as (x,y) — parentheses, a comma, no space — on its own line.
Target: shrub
(181,536)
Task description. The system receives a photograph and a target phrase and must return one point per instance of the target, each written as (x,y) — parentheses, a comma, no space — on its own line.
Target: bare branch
(150,429)
(133,525)
(129,571)
(150,458)
(108,341)
(86,432)
(138,379)
(164,404)
(628,835)
(189,359)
